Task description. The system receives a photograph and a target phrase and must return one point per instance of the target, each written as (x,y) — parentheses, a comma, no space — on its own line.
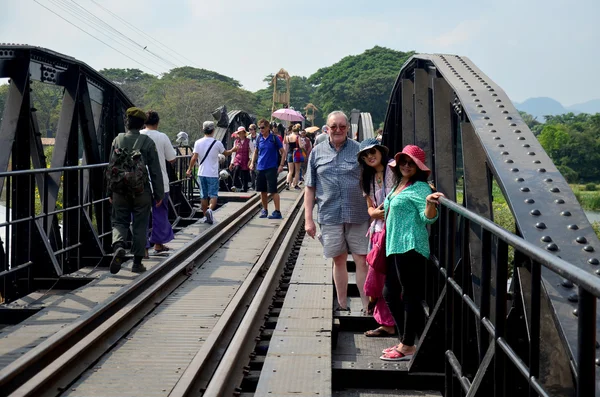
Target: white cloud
(460,34)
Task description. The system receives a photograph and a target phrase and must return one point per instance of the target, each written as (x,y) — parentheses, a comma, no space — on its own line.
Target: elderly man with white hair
(324,136)
(333,182)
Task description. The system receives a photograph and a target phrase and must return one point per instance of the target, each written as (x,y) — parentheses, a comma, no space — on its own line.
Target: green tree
(360,81)
(534,125)
(134,83)
(188,72)
(184,104)
(47,99)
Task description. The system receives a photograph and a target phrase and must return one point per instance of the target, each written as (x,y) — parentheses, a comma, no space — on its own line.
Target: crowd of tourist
(370,204)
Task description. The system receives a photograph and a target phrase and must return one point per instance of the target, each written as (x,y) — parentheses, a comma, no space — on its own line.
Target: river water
(593,216)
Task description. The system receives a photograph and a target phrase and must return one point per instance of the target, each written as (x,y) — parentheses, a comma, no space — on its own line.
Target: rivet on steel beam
(490,124)
(588,248)
(476,100)
(520,180)
(514,170)
(473,94)
(549,180)
(500,106)
(540,225)
(508,118)
(555,190)
(546,239)
(537,162)
(598,362)
(526,145)
(541,170)
(594,261)
(524,189)
(501,145)
(486,118)
(517,131)
(513,125)
(497,138)
(573,297)
(521,138)
(503,153)
(552,247)
(573,227)
(494,94)
(535,212)
(470,89)
(505,112)
(482,111)
(581,240)
(493,131)
(508,161)
(566,283)
(529,201)
(565,213)
(576,313)
(480,106)
(531,153)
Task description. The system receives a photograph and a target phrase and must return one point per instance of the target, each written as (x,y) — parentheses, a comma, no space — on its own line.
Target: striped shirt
(335,175)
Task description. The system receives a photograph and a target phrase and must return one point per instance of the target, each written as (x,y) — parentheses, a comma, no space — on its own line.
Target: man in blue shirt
(333,182)
(265,160)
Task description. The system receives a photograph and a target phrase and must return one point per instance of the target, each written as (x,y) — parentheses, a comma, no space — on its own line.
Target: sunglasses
(263,127)
(404,161)
(340,127)
(370,152)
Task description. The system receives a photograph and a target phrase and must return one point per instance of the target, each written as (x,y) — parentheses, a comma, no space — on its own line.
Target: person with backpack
(207,149)
(268,163)
(133,156)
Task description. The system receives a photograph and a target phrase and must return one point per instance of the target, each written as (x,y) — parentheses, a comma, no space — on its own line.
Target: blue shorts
(209,187)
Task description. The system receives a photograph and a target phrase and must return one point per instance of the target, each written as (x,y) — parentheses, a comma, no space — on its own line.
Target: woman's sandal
(389,349)
(164,249)
(378,332)
(396,355)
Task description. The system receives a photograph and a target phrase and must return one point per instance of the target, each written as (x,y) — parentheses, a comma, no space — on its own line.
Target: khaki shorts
(343,238)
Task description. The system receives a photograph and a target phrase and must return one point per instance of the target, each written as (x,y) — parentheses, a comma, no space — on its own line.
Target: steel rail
(257,296)
(548,260)
(222,384)
(27,370)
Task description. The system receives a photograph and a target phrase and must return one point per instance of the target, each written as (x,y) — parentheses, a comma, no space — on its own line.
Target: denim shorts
(209,187)
(345,237)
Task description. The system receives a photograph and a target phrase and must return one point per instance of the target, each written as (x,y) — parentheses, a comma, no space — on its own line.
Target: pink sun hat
(416,154)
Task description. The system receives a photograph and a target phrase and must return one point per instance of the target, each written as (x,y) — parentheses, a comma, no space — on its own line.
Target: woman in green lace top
(410,207)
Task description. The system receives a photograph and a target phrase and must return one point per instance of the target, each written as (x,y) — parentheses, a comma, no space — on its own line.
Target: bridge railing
(42,240)
(499,357)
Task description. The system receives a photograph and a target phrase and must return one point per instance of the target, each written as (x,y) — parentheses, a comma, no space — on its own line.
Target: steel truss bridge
(507,314)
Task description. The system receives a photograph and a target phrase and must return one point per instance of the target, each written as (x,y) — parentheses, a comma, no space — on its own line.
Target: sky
(531,48)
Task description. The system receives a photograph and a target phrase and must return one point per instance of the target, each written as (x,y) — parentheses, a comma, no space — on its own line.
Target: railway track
(54,364)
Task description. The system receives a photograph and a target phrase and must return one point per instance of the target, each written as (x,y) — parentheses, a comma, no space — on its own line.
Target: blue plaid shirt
(336,175)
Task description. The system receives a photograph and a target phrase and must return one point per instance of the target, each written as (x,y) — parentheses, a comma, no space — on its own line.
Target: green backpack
(127,173)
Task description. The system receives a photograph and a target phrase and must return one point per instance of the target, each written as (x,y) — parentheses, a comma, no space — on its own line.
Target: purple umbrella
(287,115)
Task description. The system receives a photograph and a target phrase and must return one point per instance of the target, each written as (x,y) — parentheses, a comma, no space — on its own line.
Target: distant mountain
(590,107)
(539,107)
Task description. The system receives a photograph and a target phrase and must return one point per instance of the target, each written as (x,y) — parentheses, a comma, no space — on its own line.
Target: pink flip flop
(389,349)
(395,355)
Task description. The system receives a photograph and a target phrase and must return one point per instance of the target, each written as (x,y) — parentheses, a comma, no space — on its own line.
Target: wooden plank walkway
(61,307)
(150,360)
